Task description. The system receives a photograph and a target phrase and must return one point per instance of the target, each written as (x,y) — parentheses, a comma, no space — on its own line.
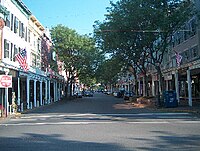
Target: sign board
(5,81)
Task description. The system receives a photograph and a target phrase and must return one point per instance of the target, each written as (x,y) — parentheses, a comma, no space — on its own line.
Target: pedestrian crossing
(89,118)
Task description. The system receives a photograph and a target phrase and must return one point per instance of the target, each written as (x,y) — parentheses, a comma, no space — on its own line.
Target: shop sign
(168,77)
(5,81)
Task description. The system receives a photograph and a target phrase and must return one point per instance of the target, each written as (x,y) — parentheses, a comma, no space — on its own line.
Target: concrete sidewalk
(182,106)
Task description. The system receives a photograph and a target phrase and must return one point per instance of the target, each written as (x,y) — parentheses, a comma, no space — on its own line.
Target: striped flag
(21,58)
(178,59)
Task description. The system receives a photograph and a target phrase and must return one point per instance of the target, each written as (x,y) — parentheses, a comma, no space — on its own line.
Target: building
(33,85)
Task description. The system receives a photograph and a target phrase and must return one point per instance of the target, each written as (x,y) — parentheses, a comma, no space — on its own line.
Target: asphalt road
(99,123)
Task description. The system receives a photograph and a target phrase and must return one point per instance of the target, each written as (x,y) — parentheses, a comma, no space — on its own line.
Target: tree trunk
(160,85)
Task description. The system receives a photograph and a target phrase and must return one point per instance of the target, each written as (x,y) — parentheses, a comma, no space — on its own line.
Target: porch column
(41,93)
(144,86)
(139,87)
(46,91)
(177,86)
(28,92)
(49,88)
(189,88)
(59,93)
(35,98)
(153,87)
(18,99)
(54,92)
(167,85)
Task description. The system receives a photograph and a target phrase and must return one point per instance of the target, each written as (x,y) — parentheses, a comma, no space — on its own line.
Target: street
(99,123)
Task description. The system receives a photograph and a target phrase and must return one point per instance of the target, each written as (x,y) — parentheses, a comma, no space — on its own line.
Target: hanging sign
(5,81)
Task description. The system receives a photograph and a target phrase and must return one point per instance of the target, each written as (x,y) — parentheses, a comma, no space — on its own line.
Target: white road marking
(99,122)
(88,118)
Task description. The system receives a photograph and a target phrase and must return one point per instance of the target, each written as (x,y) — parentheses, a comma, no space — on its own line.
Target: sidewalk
(182,106)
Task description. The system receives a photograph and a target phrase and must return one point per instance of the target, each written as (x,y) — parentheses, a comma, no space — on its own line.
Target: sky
(75,14)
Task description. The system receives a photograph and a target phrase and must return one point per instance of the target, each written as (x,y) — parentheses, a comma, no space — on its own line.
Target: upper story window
(12,18)
(16,51)
(194,52)
(6,48)
(29,36)
(33,60)
(38,61)
(16,25)
(39,44)
(193,27)
(8,20)
(34,40)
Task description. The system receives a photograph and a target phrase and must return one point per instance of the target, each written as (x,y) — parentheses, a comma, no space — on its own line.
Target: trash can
(170,99)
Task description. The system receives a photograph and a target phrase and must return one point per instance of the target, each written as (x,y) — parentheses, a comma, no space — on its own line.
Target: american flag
(178,59)
(21,58)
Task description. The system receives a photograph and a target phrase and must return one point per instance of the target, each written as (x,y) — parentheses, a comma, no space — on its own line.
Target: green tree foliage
(78,53)
(140,31)
(107,72)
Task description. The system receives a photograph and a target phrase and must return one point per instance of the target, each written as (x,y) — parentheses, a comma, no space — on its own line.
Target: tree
(76,51)
(107,72)
(140,30)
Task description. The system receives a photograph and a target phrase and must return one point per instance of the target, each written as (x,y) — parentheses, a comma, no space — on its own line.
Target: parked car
(79,95)
(88,93)
(127,95)
(118,94)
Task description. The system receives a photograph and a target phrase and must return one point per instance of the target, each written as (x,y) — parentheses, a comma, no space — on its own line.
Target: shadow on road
(169,141)
(33,142)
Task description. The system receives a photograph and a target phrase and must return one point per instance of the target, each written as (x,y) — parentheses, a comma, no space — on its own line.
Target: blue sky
(75,14)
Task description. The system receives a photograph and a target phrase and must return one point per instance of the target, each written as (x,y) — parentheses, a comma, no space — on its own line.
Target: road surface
(99,123)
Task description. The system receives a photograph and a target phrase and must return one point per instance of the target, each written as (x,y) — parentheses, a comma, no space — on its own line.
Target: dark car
(127,95)
(88,93)
(79,95)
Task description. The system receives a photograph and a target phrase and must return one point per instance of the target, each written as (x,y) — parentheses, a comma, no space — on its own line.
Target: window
(33,60)
(39,45)
(12,17)
(8,20)
(194,52)
(38,61)
(6,48)
(34,40)
(193,26)
(186,55)
(23,31)
(16,25)
(20,29)
(11,52)
(26,34)
(29,36)
(16,51)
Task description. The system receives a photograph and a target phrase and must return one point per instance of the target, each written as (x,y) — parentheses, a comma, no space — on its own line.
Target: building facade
(22,31)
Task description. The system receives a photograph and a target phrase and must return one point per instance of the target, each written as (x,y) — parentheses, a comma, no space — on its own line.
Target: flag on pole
(21,58)
(178,59)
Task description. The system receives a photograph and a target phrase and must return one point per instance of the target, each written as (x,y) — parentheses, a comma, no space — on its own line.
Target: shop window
(6,48)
